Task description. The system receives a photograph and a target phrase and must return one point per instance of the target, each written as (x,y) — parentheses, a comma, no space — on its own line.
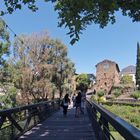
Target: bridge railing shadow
(16,121)
(62,127)
(105,123)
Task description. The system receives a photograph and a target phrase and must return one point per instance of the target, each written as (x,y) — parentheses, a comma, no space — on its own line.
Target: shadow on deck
(62,128)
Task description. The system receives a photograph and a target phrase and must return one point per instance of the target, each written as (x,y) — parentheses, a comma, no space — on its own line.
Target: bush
(102,99)
(100,93)
(117,93)
(136,95)
(128,113)
(9,99)
(93,98)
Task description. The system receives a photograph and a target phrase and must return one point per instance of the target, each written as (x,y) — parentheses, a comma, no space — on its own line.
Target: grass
(128,113)
(116,135)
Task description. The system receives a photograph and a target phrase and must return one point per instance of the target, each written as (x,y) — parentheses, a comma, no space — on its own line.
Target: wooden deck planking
(62,128)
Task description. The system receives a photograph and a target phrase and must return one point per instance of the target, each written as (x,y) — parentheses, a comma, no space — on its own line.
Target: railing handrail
(16,121)
(128,131)
(20,108)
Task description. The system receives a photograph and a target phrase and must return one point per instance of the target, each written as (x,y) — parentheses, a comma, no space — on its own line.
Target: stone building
(107,75)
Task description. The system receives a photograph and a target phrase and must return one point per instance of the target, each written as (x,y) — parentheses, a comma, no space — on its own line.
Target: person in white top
(73,99)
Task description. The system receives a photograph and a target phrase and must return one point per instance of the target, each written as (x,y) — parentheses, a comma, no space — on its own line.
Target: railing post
(105,119)
(30,115)
(105,129)
(96,125)
(94,118)
(12,132)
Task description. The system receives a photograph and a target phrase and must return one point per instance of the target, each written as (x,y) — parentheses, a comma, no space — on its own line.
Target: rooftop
(129,70)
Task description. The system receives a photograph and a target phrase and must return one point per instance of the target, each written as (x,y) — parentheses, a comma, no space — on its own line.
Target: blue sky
(117,42)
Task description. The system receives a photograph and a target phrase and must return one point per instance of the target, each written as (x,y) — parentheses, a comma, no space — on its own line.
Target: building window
(106,66)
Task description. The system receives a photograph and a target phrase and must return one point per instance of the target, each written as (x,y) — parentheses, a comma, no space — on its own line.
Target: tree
(4,52)
(77,14)
(4,41)
(138,67)
(40,66)
(63,68)
(126,79)
(30,67)
(8,99)
(4,49)
(82,81)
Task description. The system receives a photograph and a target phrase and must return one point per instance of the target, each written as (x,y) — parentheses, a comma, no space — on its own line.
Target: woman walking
(66,102)
(78,104)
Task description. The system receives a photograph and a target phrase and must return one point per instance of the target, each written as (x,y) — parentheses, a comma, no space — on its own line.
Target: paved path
(58,127)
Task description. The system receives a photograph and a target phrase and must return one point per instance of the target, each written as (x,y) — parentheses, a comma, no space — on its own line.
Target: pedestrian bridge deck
(62,128)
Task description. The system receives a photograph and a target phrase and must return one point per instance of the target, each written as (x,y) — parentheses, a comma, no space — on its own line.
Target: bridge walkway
(62,128)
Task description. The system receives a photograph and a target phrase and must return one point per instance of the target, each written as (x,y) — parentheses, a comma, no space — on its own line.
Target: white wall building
(130,70)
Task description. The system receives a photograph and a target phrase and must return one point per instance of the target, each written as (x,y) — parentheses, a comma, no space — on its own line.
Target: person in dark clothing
(78,104)
(66,102)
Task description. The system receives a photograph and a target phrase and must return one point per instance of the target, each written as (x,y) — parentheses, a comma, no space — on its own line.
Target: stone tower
(107,75)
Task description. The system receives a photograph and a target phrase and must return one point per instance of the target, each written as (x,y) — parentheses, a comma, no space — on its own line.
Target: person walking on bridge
(66,102)
(83,100)
(78,104)
(73,99)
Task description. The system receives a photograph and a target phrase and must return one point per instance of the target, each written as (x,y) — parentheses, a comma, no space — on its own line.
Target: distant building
(107,75)
(92,79)
(131,71)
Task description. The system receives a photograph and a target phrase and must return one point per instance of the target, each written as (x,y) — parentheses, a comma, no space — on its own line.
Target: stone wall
(107,75)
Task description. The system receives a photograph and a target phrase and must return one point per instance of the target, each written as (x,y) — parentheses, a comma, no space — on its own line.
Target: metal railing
(16,121)
(105,122)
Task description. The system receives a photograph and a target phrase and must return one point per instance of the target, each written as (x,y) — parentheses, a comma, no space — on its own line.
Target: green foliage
(138,67)
(4,41)
(128,113)
(116,92)
(9,99)
(101,97)
(4,51)
(63,67)
(136,95)
(126,79)
(82,81)
(94,98)
(78,14)
(43,62)
(12,6)
(116,135)
(100,93)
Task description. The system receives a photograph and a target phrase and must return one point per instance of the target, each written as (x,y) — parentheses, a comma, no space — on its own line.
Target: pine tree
(4,41)
(4,50)
(138,67)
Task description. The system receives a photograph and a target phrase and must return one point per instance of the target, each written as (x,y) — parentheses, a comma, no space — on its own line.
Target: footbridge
(45,121)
